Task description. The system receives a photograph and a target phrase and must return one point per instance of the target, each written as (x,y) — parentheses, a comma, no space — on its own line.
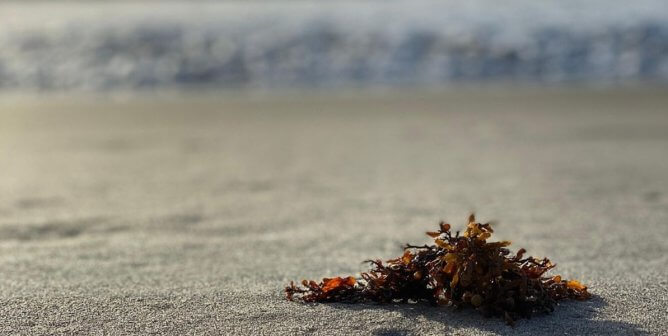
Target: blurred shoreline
(363,92)
(94,46)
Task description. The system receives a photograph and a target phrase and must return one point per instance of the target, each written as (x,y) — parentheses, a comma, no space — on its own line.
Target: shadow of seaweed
(392,332)
(569,317)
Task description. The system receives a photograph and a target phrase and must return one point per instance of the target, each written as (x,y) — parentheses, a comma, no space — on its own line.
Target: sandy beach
(188,213)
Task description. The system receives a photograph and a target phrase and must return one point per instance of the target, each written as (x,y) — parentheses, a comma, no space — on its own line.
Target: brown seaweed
(457,270)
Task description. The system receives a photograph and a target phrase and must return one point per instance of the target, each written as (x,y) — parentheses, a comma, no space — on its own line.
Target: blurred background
(167,167)
(96,45)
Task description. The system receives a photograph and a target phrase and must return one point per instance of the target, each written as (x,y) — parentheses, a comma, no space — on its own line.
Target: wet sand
(188,213)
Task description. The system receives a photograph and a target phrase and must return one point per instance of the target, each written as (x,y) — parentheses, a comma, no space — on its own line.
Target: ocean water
(100,46)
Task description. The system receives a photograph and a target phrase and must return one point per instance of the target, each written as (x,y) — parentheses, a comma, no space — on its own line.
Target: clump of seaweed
(458,270)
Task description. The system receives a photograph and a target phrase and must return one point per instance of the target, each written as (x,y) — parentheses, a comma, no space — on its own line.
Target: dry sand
(188,214)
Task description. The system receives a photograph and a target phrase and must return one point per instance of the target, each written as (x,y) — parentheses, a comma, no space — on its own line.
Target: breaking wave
(316,44)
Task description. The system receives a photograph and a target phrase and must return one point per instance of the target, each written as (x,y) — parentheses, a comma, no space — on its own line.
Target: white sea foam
(298,44)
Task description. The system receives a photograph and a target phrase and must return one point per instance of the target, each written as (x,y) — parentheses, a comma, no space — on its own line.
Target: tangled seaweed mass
(459,270)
